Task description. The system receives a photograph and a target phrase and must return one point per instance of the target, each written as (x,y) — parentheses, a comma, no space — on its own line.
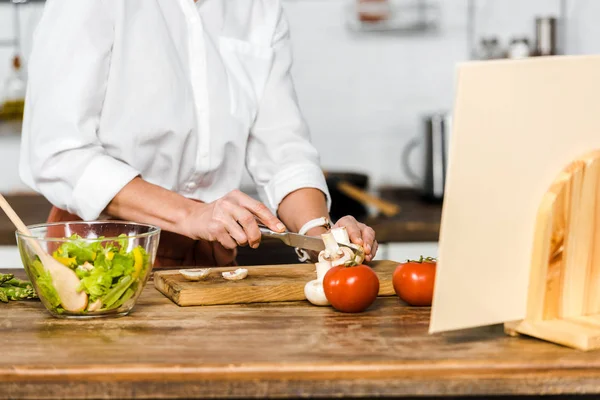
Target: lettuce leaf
(44,284)
(123,263)
(80,249)
(97,283)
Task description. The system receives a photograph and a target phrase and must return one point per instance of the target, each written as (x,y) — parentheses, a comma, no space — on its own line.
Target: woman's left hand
(360,234)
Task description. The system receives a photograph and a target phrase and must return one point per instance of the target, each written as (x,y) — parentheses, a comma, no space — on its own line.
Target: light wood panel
(563,283)
(516,125)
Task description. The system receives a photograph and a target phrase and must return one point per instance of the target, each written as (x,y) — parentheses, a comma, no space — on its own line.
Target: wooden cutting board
(264,284)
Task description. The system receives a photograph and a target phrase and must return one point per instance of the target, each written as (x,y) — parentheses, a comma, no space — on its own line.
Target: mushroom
(236,275)
(95,306)
(348,253)
(313,290)
(86,266)
(195,274)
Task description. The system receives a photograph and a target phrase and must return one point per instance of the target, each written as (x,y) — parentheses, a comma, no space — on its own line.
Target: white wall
(363,95)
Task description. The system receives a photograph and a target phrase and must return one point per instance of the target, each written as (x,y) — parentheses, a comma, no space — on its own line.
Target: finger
(248,223)
(371,256)
(227,241)
(235,231)
(260,211)
(368,235)
(354,232)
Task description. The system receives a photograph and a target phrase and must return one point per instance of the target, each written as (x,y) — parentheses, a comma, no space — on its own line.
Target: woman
(149,110)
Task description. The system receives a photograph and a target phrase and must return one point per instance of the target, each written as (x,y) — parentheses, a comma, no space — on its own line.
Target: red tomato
(414,280)
(351,289)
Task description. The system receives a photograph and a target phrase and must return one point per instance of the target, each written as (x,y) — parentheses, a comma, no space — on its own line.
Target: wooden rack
(563,304)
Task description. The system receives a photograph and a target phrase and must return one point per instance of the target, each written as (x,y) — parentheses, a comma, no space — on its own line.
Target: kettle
(434,143)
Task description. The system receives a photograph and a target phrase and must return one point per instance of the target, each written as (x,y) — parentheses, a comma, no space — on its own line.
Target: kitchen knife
(294,239)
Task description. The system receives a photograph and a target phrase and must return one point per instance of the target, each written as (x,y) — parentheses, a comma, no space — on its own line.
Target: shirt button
(191,186)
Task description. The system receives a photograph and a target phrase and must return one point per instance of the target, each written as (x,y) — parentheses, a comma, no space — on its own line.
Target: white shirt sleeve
(61,156)
(280,157)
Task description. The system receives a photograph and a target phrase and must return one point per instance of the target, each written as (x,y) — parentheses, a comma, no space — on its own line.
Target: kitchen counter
(417,221)
(280,350)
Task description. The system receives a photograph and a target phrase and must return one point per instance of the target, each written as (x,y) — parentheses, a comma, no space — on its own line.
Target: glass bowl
(107,265)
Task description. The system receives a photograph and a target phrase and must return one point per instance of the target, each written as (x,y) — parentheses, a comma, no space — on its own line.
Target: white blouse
(186,96)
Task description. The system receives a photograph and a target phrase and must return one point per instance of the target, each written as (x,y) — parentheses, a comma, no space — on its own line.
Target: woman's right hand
(231,220)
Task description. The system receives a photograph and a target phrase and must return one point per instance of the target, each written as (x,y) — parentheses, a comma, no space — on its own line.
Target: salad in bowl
(98,268)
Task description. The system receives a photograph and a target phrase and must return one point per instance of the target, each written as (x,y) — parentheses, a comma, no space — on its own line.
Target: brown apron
(174,249)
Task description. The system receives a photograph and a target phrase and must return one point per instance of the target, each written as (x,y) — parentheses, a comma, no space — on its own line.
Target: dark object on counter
(387,208)
(434,157)
(342,204)
(490,49)
(545,36)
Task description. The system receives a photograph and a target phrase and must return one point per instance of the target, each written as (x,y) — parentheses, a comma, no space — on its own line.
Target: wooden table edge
(307,371)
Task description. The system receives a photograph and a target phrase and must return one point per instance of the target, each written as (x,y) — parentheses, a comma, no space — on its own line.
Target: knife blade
(294,239)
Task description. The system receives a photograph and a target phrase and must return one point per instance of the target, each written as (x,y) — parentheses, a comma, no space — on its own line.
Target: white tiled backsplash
(362,95)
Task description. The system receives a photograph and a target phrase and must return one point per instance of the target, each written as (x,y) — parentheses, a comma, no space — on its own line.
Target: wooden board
(274,351)
(516,125)
(562,304)
(264,284)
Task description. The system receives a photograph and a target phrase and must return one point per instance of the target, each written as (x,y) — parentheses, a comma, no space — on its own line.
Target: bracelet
(303,254)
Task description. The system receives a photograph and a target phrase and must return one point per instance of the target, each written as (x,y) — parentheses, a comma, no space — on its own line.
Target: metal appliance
(434,144)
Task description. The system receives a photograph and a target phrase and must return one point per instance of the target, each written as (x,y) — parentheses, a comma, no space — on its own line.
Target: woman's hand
(231,220)
(360,234)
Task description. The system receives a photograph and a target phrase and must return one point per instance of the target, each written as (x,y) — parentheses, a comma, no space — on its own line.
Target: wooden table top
(283,350)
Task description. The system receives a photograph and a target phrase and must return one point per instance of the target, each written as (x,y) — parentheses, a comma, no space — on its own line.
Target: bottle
(545,36)
(13,93)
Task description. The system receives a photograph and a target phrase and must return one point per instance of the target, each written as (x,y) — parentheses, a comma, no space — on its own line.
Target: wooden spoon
(64,279)
(387,208)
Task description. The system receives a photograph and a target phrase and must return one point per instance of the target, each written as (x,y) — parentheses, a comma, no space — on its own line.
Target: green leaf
(44,284)
(126,296)
(123,242)
(117,291)
(123,262)
(97,283)
(82,250)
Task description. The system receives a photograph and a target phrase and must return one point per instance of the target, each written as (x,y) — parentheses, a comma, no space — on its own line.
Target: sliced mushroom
(348,253)
(95,306)
(347,258)
(236,275)
(195,274)
(332,249)
(341,235)
(86,266)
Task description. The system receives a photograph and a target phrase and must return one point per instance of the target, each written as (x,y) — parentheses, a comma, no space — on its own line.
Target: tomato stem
(423,259)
